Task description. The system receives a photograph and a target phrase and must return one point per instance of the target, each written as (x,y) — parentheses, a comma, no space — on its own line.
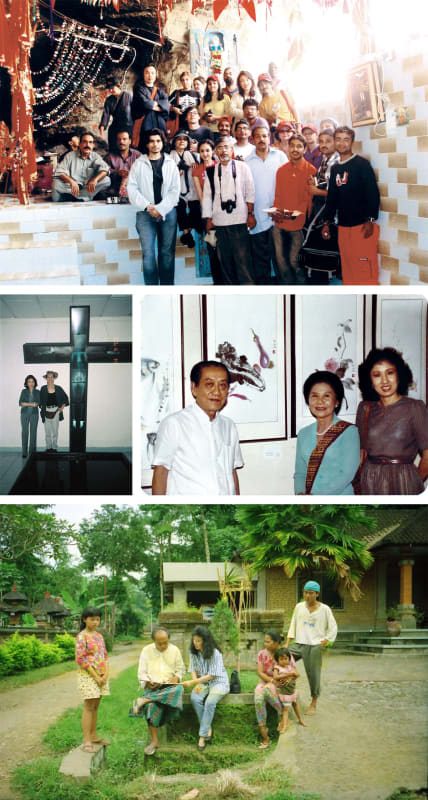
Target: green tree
(224,627)
(32,529)
(298,537)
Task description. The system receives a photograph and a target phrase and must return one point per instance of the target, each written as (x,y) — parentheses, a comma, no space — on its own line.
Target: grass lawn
(236,735)
(35,675)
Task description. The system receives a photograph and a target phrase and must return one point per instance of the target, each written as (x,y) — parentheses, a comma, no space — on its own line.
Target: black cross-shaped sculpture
(78,352)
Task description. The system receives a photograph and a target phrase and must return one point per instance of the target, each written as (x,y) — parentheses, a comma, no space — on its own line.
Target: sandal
(136,710)
(88,748)
(264,745)
(150,750)
(104,742)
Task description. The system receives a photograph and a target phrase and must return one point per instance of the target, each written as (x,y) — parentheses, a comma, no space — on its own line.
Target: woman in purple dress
(393,427)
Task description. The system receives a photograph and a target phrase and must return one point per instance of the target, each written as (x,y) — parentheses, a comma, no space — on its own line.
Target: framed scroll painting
(329,336)
(162,389)
(401,322)
(247,334)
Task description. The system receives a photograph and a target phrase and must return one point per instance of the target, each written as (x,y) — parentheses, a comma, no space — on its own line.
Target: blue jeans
(164,231)
(205,711)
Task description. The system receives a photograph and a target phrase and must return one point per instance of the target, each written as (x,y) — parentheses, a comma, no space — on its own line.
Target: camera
(228,206)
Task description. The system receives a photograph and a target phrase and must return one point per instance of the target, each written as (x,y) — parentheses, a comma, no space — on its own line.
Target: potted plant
(393,625)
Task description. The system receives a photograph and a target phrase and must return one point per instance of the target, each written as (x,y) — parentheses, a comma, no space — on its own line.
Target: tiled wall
(399,156)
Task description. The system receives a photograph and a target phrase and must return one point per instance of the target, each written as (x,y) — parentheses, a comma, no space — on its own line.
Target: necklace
(327,429)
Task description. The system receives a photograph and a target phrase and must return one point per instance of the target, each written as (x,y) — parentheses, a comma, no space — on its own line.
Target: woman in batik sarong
(265,691)
(393,427)
(328,451)
(160,671)
(209,680)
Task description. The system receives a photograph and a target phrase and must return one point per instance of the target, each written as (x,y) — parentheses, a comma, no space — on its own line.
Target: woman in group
(160,670)
(265,691)
(246,89)
(215,104)
(209,680)
(91,657)
(189,208)
(282,135)
(206,154)
(328,451)
(53,400)
(29,401)
(393,427)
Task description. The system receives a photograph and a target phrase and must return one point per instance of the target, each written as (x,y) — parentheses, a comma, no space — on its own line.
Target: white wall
(109,385)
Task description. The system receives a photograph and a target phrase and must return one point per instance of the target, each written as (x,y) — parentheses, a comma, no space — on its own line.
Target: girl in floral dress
(91,656)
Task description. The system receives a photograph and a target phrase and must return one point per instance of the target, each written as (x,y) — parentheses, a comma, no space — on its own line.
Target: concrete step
(405,649)
(393,640)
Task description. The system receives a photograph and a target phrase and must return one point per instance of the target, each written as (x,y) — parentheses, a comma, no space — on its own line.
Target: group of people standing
(51,400)
(161,671)
(197,449)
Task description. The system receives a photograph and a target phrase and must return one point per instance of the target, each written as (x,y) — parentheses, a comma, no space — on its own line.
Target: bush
(20,650)
(224,627)
(36,649)
(67,644)
(52,654)
(6,662)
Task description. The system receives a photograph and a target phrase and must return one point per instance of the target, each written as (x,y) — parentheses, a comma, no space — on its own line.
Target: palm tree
(310,537)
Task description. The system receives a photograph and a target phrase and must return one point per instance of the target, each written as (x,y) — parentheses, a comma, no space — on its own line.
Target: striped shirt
(210,666)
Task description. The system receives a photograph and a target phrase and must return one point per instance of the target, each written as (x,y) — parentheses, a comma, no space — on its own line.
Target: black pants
(263,252)
(234,253)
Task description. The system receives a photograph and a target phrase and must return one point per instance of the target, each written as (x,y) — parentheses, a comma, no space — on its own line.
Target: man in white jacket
(154,188)
(312,626)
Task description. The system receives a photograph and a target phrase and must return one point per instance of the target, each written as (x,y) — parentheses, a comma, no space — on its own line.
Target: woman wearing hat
(328,451)
(188,209)
(53,400)
(312,626)
(282,136)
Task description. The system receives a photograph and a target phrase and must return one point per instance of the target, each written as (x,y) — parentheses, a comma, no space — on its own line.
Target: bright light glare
(394,23)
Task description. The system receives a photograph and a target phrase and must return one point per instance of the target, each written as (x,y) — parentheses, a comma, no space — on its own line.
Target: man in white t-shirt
(312,626)
(197,449)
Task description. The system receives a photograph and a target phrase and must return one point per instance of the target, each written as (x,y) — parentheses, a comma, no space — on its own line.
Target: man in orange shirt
(291,205)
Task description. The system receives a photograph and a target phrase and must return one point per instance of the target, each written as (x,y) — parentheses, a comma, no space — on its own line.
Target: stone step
(394,640)
(80,765)
(405,649)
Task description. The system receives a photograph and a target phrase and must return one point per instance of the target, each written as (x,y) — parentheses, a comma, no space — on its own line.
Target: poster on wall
(212,51)
(251,343)
(329,336)
(161,370)
(365,96)
(401,323)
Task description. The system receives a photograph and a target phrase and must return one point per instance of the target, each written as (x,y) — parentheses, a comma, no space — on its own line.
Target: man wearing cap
(228,205)
(312,153)
(264,164)
(312,626)
(53,400)
(353,196)
(273,106)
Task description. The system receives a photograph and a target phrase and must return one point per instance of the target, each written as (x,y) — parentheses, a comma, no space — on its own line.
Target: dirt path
(26,713)
(369,735)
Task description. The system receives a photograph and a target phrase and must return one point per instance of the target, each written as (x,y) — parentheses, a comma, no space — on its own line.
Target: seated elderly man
(81,175)
(160,672)
(120,163)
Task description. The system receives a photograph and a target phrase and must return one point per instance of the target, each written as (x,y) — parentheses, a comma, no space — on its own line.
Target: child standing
(91,656)
(285,669)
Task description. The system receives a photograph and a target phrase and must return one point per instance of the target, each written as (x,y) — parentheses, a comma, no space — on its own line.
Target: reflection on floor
(12,464)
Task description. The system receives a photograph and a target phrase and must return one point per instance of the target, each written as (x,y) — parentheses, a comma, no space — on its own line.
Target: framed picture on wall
(162,380)
(247,334)
(401,322)
(365,97)
(329,335)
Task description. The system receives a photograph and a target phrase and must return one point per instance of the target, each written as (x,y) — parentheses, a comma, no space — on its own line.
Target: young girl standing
(284,679)
(91,656)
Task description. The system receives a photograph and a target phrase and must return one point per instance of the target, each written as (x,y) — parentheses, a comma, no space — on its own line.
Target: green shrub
(6,661)
(224,627)
(67,644)
(36,649)
(20,650)
(52,654)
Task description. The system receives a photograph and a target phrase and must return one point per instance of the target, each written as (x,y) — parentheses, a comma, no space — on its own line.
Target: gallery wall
(109,385)
(294,337)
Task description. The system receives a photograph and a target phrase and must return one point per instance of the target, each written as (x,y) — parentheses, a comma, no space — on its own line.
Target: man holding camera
(228,206)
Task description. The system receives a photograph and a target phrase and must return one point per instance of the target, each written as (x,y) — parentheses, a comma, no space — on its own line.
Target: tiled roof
(395,525)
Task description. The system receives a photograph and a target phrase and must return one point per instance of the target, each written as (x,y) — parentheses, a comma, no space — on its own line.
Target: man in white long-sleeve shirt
(228,206)
(312,626)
